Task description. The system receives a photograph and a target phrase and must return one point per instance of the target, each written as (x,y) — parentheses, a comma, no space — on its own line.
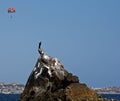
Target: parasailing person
(11,10)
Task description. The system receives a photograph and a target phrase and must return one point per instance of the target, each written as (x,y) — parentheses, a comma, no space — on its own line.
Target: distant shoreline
(13,88)
(107,90)
(17,88)
(108,93)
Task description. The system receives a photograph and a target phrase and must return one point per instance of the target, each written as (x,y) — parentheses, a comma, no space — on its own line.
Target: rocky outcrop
(50,81)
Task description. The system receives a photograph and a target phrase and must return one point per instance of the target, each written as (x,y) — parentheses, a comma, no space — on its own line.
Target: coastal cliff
(50,81)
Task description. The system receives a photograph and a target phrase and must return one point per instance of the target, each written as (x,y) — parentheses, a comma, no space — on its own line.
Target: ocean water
(9,97)
(111,96)
(15,97)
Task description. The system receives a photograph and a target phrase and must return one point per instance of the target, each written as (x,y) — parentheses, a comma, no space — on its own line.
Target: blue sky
(83,34)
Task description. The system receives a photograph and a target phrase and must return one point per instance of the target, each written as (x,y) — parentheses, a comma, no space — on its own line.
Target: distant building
(13,88)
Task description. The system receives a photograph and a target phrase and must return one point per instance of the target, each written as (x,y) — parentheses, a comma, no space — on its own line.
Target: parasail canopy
(11,10)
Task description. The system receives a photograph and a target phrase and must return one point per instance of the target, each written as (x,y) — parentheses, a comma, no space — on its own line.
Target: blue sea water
(15,97)
(111,96)
(9,97)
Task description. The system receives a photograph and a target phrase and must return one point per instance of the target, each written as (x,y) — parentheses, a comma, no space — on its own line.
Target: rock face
(49,81)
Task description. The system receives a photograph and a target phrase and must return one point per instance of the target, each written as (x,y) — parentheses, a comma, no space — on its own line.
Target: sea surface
(111,96)
(15,97)
(9,97)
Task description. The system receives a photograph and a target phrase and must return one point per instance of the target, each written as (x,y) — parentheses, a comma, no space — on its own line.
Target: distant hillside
(108,90)
(13,88)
